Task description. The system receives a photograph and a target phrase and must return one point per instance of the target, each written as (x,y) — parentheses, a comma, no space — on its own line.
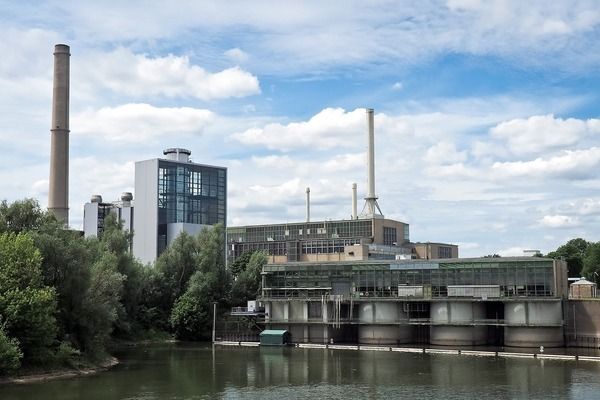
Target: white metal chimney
(307,204)
(58,191)
(354,207)
(371,208)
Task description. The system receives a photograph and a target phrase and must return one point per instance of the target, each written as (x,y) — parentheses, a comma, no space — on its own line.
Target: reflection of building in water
(509,301)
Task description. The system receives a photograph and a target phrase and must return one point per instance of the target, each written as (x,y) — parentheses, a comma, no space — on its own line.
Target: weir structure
(58,191)
(513,302)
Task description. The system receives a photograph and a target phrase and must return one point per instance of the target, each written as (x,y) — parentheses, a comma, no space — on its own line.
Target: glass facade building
(175,195)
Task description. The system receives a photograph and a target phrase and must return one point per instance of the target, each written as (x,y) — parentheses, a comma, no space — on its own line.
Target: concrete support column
(325,312)
(286,311)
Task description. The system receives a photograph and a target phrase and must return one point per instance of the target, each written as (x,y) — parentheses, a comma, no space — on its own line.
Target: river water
(181,371)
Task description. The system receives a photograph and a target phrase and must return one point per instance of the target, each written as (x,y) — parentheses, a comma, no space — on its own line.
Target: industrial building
(362,237)
(497,301)
(175,195)
(96,211)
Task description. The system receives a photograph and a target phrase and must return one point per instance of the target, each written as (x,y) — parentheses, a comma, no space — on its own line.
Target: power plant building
(96,211)
(499,301)
(175,195)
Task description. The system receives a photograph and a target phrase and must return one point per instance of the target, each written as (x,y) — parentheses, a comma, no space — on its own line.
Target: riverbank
(62,373)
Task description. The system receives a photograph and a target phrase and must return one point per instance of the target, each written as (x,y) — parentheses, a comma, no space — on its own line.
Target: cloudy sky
(487,122)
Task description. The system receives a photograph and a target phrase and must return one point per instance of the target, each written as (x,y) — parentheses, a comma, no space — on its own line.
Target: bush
(10,353)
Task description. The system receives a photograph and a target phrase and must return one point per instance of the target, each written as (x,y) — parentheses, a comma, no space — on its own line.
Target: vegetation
(63,298)
(582,258)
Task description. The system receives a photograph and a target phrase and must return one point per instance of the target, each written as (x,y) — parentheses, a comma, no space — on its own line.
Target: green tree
(22,215)
(114,240)
(26,304)
(247,286)
(240,263)
(100,306)
(177,264)
(591,262)
(573,252)
(10,353)
(191,316)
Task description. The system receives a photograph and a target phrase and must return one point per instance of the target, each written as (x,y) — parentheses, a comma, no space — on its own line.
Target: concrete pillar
(58,191)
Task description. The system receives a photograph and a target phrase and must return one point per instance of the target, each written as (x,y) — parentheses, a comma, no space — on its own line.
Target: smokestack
(307,204)
(58,193)
(372,208)
(354,209)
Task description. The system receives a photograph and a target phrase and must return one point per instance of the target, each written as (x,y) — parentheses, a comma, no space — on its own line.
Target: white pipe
(354,207)
(307,204)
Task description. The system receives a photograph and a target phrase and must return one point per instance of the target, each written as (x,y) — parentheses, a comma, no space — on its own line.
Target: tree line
(64,298)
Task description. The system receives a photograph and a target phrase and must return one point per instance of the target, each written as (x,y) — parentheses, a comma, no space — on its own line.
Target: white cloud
(444,153)
(542,132)
(139,75)
(237,55)
(140,122)
(559,221)
(332,127)
(578,164)
(397,86)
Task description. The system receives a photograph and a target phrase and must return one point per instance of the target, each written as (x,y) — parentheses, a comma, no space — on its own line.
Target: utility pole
(214,330)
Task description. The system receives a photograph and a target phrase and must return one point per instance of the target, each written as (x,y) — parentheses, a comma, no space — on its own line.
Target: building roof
(583,281)
(273,332)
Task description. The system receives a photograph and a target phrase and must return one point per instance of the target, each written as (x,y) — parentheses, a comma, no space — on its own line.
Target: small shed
(582,289)
(274,337)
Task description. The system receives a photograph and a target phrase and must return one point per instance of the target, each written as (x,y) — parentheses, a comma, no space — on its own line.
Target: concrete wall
(90,220)
(583,323)
(145,222)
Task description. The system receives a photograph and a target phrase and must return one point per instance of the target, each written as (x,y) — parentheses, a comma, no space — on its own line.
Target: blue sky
(487,129)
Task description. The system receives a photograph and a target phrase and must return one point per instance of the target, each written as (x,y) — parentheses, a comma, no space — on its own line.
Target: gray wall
(90,220)
(145,223)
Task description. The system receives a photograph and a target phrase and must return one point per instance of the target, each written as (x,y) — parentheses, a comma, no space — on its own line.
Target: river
(183,371)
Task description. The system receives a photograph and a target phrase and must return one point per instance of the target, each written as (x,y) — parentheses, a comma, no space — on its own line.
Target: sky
(487,129)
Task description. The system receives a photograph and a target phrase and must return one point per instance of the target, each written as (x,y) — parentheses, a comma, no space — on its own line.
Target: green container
(274,337)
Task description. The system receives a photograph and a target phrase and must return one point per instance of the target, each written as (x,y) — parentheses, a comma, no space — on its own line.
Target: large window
(191,193)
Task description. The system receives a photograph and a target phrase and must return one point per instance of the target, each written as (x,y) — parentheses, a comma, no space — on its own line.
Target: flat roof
(424,261)
(315,222)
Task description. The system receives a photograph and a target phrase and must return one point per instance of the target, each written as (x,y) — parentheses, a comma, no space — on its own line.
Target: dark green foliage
(239,264)
(27,306)
(62,296)
(573,252)
(191,316)
(248,283)
(22,215)
(10,353)
(591,262)
(177,264)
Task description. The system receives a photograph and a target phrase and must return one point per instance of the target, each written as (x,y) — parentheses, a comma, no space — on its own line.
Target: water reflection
(204,372)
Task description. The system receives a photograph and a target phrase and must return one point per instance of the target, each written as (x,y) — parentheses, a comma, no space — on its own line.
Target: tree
(22,215)
(248,283)
(10,353)
(492,256)
(191,316)
(591,262)
(240,263)
(114,240)
(573,252)
(177,264)
(26,304)
(100,306)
